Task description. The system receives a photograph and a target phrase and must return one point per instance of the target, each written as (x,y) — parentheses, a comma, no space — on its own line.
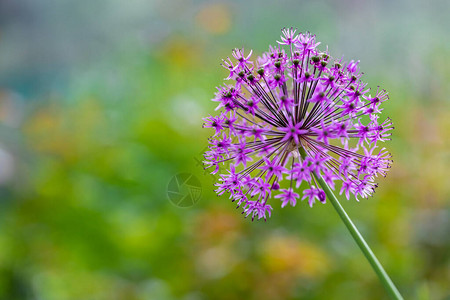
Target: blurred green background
(101,105)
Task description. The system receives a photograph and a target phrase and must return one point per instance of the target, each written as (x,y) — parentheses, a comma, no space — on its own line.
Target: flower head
(295,99)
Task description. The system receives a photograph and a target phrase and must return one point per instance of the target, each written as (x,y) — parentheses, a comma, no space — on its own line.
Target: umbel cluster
(291,115)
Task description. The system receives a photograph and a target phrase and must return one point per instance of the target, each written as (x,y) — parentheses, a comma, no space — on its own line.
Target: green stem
(377,267)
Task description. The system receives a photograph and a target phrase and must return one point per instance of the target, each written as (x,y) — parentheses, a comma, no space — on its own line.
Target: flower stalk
(359,239)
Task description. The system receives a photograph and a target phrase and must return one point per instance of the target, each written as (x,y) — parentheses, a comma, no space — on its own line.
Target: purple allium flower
(294,97)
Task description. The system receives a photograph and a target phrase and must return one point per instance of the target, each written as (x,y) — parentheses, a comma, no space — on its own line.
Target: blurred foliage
(85,164)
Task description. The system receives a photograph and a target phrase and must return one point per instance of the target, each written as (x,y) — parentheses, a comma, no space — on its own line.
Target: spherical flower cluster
(292,115)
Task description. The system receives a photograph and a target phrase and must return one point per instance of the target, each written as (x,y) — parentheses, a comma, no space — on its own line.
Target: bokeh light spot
(214,18)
